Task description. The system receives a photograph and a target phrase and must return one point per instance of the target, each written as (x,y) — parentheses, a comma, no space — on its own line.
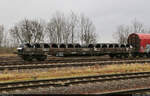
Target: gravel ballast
(97,87)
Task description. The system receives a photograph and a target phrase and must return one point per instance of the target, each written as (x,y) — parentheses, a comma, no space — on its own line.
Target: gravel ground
(88,88)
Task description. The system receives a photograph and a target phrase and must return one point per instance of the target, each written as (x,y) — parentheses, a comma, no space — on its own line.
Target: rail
(74,64)
(64,82)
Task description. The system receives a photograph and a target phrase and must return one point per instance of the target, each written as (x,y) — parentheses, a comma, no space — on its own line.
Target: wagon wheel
(27,58)
(134,55)
(118,56)
(126,55)
(140,55)
(148,55)
(112,55)
(41,58)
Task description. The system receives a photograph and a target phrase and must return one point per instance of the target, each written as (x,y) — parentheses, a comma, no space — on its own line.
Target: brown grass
(72,72)
(7,54)
(7,51)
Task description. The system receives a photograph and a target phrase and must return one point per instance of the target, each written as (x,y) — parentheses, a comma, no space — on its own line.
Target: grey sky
(105,14)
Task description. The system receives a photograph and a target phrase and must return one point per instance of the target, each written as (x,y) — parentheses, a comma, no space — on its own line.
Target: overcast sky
(105,14)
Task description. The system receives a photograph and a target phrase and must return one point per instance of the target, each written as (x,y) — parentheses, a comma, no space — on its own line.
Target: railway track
(126,91)
(74,64)
(61,60)
(3,58)
(64,82)
(16,61)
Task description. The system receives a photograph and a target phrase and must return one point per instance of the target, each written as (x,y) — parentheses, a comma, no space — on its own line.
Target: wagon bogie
(40,57)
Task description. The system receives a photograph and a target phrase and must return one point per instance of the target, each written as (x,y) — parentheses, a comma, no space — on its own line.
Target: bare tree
(73,24)
(6,39)
(138,27)
(68,29)
(87,30)
(123,31)
(51,31)
(54,29)
(29,31)
(122,34)
(66,32)
(58,29)
(1,34)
